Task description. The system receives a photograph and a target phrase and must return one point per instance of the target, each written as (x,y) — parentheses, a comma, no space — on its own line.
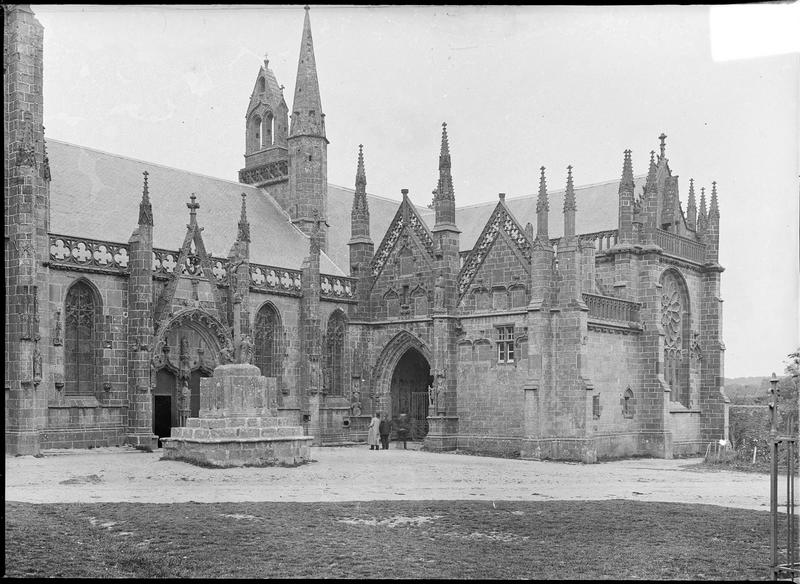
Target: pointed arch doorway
(409,391)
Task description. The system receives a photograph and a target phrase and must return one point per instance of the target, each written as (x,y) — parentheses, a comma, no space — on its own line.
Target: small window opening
(505,344)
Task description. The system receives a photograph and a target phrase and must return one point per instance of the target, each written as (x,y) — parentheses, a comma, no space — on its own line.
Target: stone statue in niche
(37,364)
(326,379)
(57,341)
(438,292)
(183,402)
(355,403)
(226,354)
(440,387)
(245,349)
(431,398)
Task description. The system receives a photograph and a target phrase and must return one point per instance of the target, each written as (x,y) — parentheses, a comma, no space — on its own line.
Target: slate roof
(340,203)
(107,189)
(96,195)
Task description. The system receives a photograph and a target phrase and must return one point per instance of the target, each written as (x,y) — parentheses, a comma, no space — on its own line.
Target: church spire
(359,216)
(569,206)
(307,116)
(691,208)
(244,225)
(145,208)
(444,200)
(542,209)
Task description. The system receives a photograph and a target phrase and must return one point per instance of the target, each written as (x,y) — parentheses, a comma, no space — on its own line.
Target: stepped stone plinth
(238,424)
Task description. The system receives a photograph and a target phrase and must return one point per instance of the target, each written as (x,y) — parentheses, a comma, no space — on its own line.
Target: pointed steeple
(145,208)
(713,211)
(244,225)
(627,173)
(626,201)
(702,216)
(712,228)
(650,184)
(359,216)
(361,176)
(569,206)
(444,199)
(307,116)
(542,209)
(691,208)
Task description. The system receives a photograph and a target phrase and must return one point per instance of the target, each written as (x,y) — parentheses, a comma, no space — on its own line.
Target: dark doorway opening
(162,416)
(409,391)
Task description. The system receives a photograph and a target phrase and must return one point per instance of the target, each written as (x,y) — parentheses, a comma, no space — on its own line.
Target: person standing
(385,428)
(403,428)
(372,435)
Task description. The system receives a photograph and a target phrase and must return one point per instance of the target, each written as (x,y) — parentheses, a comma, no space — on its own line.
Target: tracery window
(79,340)
(268,341)
(334,353)
(674,324)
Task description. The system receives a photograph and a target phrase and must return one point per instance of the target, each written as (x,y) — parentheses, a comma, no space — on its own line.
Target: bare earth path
(358,474)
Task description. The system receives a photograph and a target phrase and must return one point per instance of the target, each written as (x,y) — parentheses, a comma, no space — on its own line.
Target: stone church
(579,323)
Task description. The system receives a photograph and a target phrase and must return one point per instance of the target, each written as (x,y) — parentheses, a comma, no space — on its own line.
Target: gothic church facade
(580,323)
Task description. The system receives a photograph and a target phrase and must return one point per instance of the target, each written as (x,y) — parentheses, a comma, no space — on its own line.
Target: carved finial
(361,175)
(713,211)
(193,207)
(569,194)
(501,196)
(306,8)
(627,172)
(244,225)
(663,139)
(145,208)
(650,184)
(404,193)
(542,203)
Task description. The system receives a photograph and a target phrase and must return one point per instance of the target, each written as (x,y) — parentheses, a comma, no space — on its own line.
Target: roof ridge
(383,198)
(121,156)
(549,192)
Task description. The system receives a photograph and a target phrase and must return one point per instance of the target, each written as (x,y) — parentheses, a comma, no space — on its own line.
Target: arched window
(266,133)
(254,134)
(80,344)
(675,325)
(334,354)
(268,353)
(628,404)
(262,85)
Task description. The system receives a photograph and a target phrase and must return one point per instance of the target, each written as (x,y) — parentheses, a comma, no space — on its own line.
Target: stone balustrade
(679,246)
(612,309)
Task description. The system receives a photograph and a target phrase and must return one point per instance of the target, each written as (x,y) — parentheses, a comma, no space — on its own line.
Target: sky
(519,86)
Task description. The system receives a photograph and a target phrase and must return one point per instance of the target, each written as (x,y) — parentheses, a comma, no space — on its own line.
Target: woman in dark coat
(385,428)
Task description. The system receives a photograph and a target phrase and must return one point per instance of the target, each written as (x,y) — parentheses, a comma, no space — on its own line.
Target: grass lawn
(388,539)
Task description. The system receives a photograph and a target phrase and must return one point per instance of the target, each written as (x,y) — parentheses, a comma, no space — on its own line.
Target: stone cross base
(238,424)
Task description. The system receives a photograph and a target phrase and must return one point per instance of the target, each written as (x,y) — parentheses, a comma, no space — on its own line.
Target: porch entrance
(166,401)
(409,391)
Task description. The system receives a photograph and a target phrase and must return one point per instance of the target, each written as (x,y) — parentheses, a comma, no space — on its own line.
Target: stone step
(238,433)
(239,422)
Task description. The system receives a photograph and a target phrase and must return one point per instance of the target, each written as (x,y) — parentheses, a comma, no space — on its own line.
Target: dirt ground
(358,474)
